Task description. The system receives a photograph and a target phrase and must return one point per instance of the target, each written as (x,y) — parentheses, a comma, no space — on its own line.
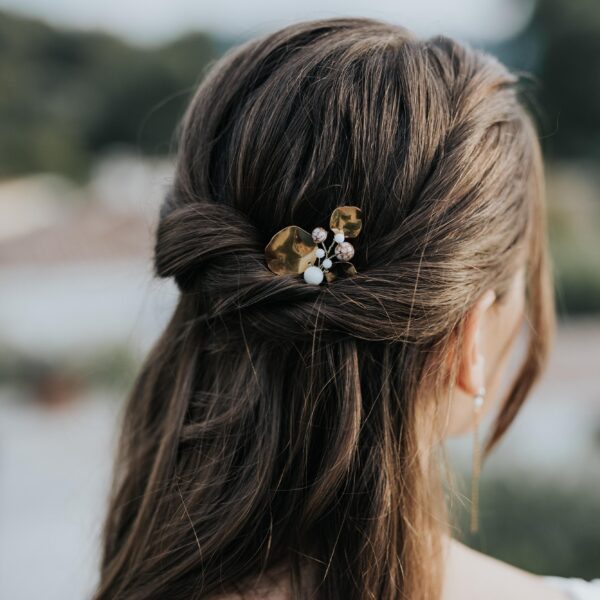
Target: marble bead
(319,234)
(344,251)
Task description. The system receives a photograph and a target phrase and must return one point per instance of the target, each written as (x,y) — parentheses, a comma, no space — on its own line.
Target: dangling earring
(478,400)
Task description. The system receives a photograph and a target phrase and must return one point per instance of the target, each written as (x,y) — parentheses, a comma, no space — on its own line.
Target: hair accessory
(292,250)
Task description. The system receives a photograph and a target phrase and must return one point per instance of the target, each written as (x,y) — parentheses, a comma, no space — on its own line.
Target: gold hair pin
(292,250)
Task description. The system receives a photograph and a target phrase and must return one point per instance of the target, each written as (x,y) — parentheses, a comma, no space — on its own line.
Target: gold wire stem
(475,472)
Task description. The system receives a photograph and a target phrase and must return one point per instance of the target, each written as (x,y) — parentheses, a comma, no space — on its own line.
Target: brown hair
(277,423)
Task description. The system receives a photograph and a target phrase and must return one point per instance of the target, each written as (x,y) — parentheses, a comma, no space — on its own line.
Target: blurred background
(90,94)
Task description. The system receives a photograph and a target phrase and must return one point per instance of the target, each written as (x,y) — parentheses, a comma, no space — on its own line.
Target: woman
(282,437)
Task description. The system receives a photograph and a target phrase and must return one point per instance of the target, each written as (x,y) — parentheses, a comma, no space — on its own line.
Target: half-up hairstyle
(279,425)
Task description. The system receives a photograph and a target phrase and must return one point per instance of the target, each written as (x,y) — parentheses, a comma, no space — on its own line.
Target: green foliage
(538,526)
(571,74)
(68,95)
(578,289)
(111,368)
(561,47)
(574,223)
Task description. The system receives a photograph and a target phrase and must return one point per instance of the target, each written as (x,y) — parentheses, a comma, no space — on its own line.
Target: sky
(156,21)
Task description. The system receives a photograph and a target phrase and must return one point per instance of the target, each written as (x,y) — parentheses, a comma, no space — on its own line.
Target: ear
(471,371)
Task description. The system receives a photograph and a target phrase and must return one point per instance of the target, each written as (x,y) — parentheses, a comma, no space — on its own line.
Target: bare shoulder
(471,575)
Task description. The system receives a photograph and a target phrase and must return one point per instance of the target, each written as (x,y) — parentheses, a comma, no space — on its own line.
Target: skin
(492,328)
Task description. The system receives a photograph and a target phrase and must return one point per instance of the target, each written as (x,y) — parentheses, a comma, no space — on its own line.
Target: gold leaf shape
(346,220)
(340,270)
(291,251)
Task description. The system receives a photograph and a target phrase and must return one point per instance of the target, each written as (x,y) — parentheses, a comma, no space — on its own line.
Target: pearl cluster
(343,251)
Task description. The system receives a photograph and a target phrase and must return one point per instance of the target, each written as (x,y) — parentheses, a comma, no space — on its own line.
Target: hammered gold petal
(291,251)
(340,270)
(346,220)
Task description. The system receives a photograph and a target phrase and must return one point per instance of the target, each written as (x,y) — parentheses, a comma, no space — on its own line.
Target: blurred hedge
(538,526)
(68,95)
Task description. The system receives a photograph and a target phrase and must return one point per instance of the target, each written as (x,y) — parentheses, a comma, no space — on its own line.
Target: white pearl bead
(313,275)
(339,237)
(478,401)
(320,253)
(327,263)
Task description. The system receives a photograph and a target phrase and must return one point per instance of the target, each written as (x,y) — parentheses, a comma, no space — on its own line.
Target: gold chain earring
(478,401)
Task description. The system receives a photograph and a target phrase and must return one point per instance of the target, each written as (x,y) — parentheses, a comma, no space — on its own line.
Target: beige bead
(344,251)
(319,234)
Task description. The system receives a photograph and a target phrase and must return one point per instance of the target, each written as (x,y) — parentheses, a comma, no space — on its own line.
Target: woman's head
(280,423)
